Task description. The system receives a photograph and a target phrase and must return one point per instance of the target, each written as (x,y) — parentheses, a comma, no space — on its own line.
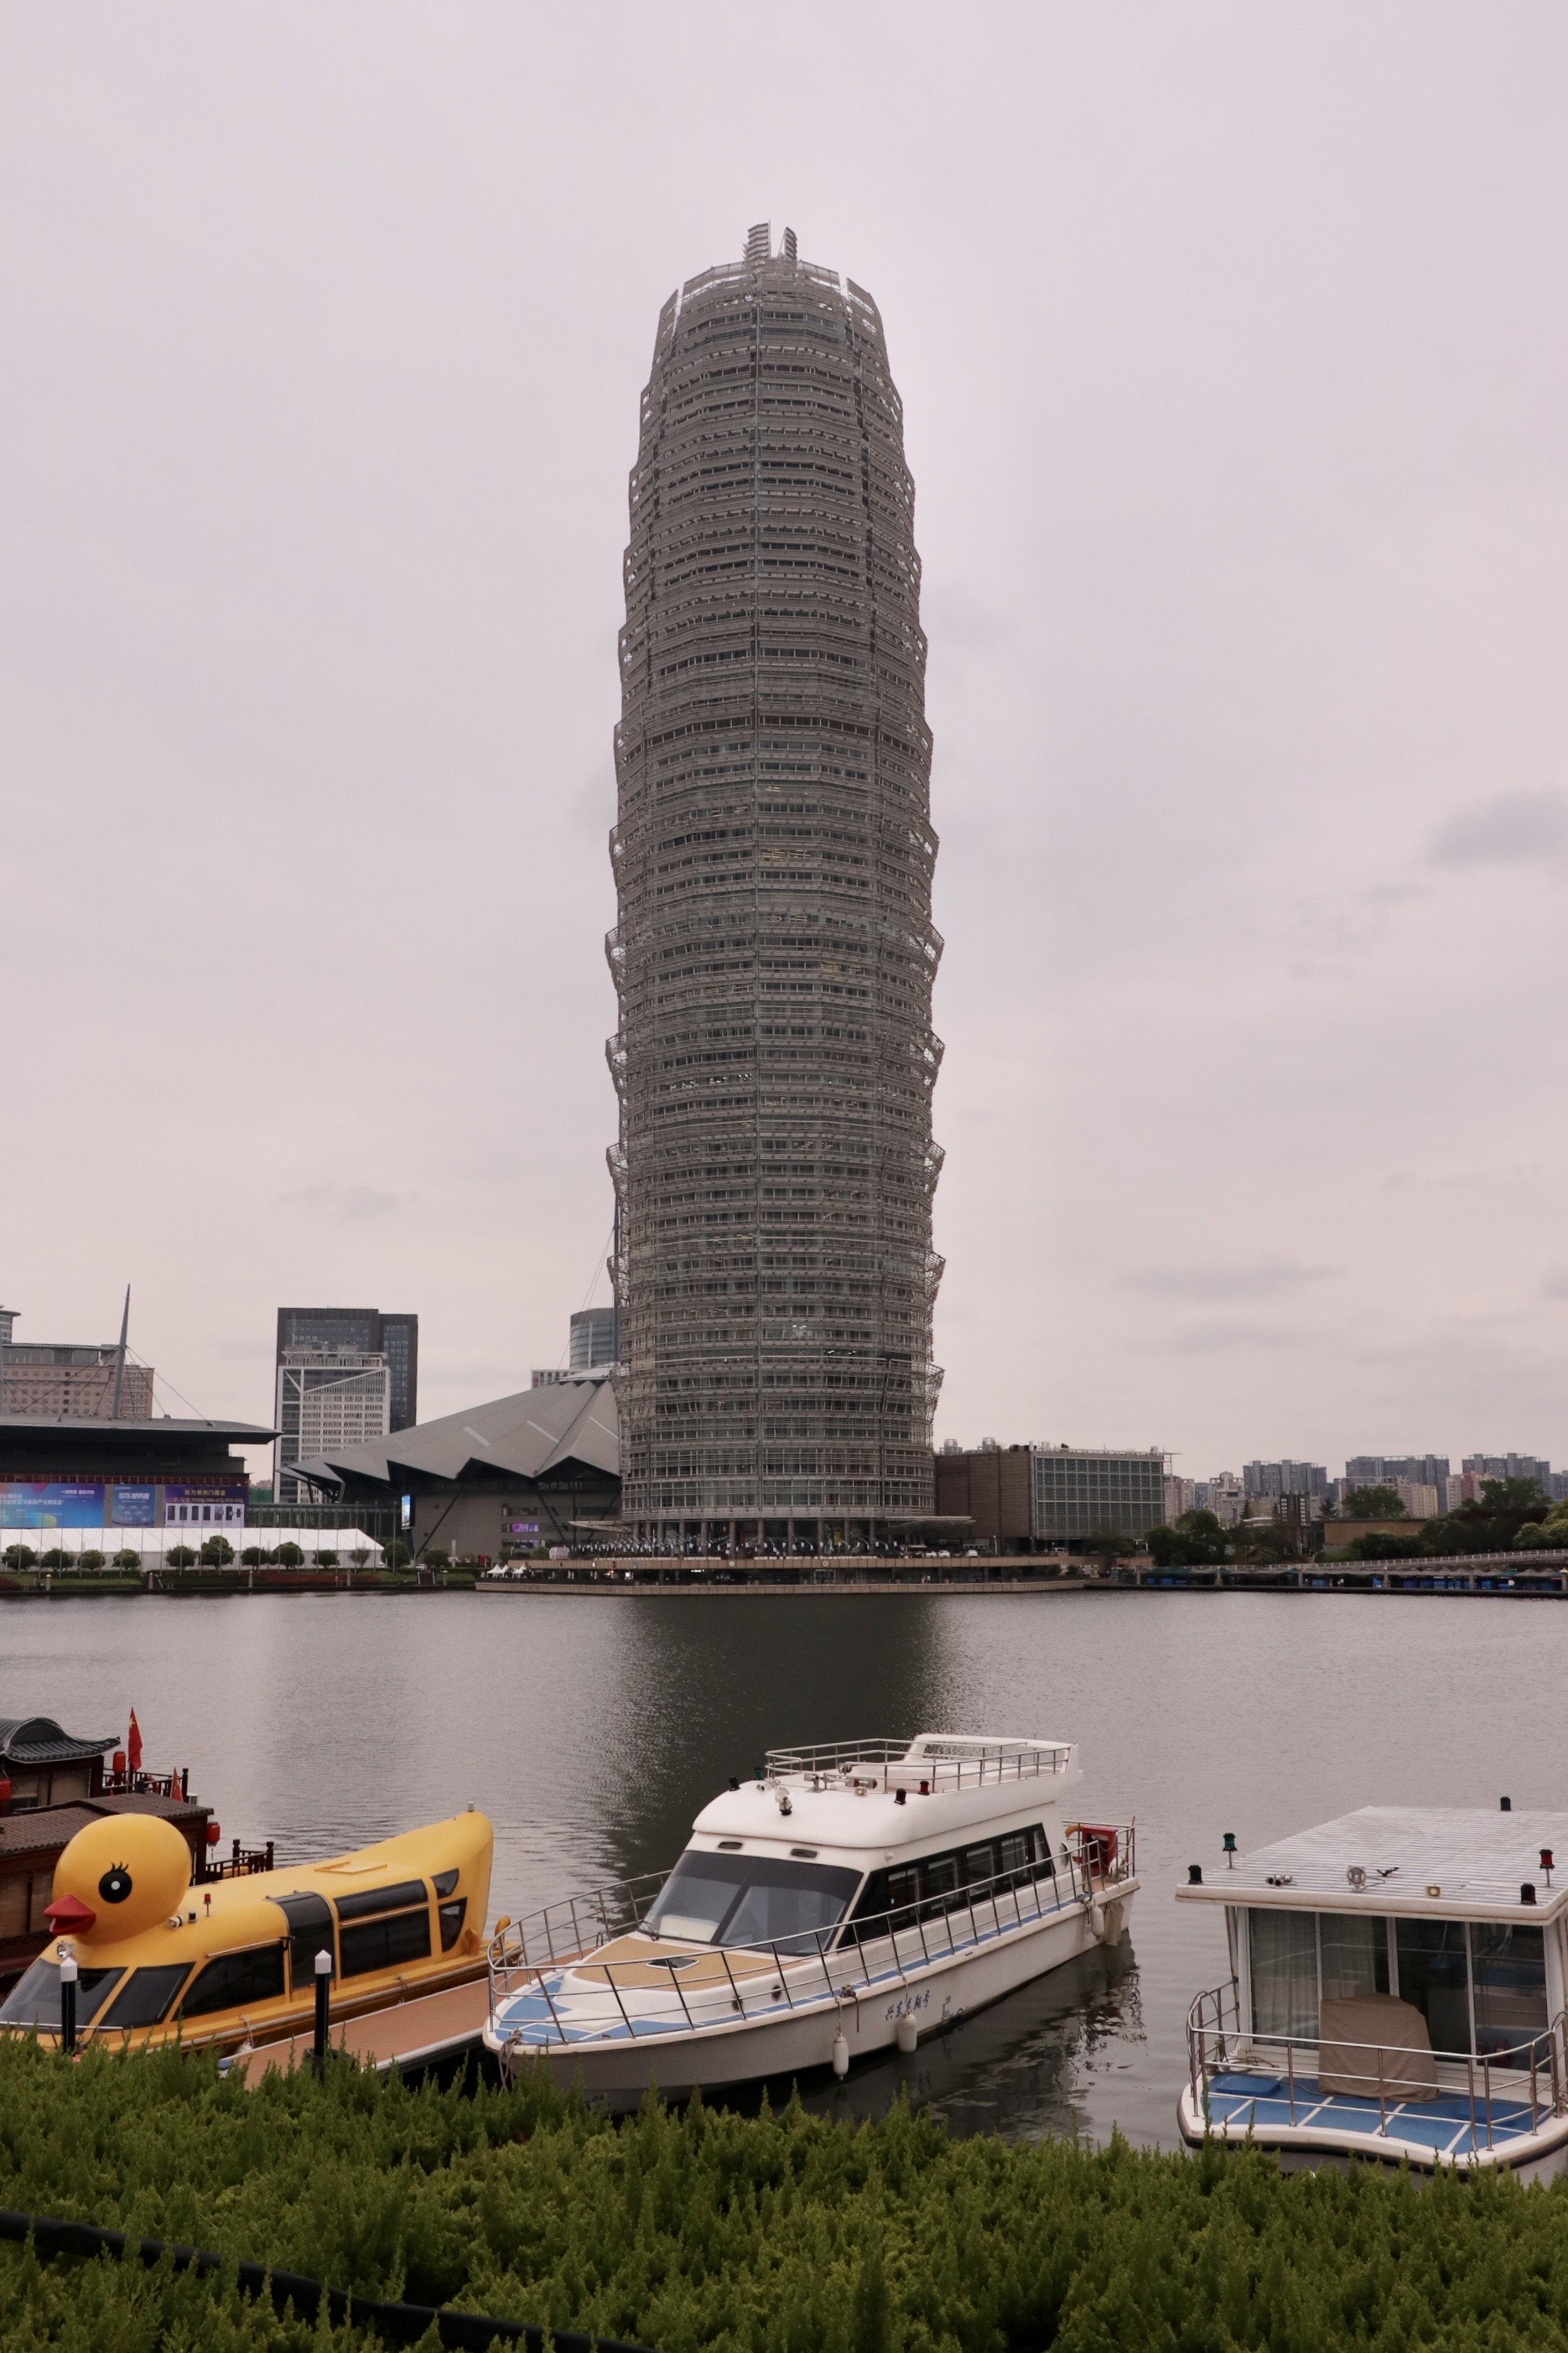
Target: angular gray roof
(536,1431)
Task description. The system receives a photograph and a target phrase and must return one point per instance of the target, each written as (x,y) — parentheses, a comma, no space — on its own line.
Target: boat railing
(839,1963)
(577,1924)
(1532,2072)
(931,1763)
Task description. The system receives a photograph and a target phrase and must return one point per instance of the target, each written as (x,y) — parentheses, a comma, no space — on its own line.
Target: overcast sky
(1234,353)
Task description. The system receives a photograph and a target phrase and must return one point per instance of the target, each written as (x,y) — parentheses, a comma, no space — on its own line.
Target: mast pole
(120,1357)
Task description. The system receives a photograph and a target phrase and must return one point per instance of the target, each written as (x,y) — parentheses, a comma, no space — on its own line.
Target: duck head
(116,1877)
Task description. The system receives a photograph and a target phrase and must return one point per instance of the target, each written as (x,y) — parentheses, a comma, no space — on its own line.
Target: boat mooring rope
(398,2323)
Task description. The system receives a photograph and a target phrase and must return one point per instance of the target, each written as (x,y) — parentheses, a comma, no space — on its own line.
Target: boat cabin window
(1507,1983)
(369,1900)
(1479,1985)
(34,2001)
(236,1980)
(451,1918)
(1285,1974)
(145,1998)
(751,1899)
(1354,1953)
(937,1883)
(385,1943)
(1434,1975)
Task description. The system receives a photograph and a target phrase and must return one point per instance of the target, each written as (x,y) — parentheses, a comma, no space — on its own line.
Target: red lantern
(214,1834)
(4,1788)
(117,1763)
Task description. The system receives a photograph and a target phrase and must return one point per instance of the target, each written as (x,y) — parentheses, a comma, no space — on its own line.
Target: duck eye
(115,1884)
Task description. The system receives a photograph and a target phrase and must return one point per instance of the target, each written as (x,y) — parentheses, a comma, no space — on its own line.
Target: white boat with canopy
(1396,1989)
(849,1899)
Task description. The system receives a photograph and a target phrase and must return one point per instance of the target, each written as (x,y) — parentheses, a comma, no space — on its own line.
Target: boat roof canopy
(1475,1861)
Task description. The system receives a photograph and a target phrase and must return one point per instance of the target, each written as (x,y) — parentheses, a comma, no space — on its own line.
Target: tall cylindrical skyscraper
(774,953)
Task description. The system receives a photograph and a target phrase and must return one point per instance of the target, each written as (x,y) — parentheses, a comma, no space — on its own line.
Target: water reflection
(592,1729)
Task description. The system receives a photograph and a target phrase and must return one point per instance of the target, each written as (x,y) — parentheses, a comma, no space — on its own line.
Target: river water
(592,1728)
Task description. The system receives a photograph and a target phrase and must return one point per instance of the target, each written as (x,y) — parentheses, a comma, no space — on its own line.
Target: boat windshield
(751,1899)
(34,2001)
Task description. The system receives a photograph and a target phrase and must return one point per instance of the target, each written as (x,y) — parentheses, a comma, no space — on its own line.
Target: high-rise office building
(370,1333)
(592,1341)
(774,951)
(591,1348)
(326,1399)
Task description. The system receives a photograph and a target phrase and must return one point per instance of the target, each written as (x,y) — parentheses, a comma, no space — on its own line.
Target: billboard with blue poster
(51,1503)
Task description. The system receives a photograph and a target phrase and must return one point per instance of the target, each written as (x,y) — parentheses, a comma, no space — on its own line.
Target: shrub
(398,1554)
(289,1555)
(127,1560)
(56,1558)
(216,1552)
(325,1559)
(708,2232)
(19,1556)
(252,1556)
(1380,1545)
(180,1557)
(435,1556)
(91,1560)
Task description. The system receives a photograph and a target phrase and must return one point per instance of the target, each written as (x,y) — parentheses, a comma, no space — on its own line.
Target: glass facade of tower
(774,953)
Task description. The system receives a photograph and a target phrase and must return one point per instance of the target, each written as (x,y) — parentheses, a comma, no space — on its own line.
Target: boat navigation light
(1527,1892)
(784,1806)
(1229,1843)
(1355,1876)
(734,1781)
(1546,1863)
(1195,1875)
(1505,1805)
(900,1797)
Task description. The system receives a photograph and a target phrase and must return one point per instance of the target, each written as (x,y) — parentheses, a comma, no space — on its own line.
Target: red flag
(133,1745)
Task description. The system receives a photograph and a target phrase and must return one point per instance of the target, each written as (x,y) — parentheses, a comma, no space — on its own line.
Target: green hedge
(777,2233)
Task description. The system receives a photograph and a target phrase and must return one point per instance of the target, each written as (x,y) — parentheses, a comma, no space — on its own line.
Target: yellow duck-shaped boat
(234,1962)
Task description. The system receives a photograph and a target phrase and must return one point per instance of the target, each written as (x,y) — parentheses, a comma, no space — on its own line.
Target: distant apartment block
(1180,1496)
(1084,1492)
(367,1332)
(69,1380)
(1510,1466)
(1388,1469)
(327,1399)
(1224,1495)
(1267,1481)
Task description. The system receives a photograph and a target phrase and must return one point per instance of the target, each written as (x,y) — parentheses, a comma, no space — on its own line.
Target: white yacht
(849,1899)
(1395,1990)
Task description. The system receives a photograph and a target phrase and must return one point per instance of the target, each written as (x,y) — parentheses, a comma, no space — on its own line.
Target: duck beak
(67,1915)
